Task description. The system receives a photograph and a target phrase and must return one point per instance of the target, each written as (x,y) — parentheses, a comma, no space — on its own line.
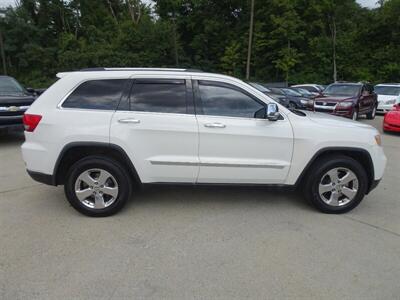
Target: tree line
(292,40)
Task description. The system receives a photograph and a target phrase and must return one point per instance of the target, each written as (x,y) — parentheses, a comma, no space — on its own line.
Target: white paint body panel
(178,148)
(162,147)
(253,151)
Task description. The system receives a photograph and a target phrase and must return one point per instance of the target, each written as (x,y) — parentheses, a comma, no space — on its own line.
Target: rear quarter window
(102,94)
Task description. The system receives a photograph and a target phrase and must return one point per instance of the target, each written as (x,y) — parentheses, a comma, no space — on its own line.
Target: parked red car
(348,100)
(391,122)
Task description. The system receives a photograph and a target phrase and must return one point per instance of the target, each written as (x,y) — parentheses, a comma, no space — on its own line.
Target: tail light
(31,121)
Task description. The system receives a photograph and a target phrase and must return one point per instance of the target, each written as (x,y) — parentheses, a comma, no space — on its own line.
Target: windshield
(343,90)
(388,90)
(10,86)
(292,92)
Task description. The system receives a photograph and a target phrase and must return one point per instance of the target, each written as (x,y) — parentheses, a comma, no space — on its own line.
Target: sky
(367,3)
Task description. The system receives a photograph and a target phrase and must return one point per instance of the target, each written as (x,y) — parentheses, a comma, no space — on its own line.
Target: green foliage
(292,38)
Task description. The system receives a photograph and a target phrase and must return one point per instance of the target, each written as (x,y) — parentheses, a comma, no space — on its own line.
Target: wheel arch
(75,151)
(358,154)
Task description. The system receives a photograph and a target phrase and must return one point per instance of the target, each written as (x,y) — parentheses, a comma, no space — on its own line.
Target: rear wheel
(97,186)
(371,115)
(292,105)
(336,184)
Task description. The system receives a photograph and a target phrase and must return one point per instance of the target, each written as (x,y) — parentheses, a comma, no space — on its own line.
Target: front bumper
(42,178)
(384,108)
(347,112)
(391,127)
(10,121)
(373,185)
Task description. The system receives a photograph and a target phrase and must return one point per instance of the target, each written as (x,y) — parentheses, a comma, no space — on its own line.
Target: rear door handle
(129,121)
(214,125)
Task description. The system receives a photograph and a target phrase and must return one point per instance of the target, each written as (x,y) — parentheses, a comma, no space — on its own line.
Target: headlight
(393,101)
(304,102)
(378,139)
(345,104)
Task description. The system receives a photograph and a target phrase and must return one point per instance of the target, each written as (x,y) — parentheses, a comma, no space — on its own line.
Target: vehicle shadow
(215,196)
(390,133)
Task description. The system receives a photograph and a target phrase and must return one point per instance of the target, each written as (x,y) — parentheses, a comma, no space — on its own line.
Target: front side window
(225,100)
(165,96)
(96,94)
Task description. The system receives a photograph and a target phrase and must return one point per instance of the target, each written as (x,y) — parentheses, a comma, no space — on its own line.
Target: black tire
(371,115)
(292,105)
(355,114)
(316,174)
(118,173)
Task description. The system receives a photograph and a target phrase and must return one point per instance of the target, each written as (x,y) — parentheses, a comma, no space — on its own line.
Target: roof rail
(139,69)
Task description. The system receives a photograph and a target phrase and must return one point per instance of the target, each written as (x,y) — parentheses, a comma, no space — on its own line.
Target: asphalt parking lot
(207,243)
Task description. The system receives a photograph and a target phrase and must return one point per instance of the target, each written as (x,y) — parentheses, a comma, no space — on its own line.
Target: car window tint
(165,96)
(96,94)
(226,101)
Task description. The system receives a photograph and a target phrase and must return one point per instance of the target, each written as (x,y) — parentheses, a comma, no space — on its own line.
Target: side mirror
(272,112)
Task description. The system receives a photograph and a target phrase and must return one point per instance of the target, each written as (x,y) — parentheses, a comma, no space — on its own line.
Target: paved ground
(181,243)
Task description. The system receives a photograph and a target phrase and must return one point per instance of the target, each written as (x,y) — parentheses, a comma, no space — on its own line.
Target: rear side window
(96,94)
(159,95)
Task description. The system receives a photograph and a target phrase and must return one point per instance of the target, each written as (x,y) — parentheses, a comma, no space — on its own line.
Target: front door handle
(130,121)
(214,125)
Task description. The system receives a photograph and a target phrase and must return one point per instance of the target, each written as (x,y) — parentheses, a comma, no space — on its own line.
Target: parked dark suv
(14,101)
(349,100)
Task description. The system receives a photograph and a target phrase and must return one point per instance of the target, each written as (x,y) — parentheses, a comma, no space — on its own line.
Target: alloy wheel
(96,188)
(355,115)
(338,186)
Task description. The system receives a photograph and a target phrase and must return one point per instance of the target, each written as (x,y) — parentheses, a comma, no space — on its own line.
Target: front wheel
(371,115)
(336,184)
(97,186)
(355,114)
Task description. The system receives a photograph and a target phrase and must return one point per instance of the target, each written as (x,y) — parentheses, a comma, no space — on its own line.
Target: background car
(280,98)
(305,93)
(314,88)
(391,121)
(349,100)
(387,96)
(14,101)
(295,99)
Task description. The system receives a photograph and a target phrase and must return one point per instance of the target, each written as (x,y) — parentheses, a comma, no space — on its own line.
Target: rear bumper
(42,178)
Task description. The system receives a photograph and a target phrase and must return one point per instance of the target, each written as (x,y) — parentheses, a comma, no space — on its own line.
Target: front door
(236,147)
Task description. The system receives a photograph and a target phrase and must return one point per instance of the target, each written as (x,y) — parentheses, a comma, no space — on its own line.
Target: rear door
(156,126)
(236,147)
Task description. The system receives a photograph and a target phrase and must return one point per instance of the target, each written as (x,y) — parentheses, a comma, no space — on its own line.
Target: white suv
(98,132)
(388,96)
